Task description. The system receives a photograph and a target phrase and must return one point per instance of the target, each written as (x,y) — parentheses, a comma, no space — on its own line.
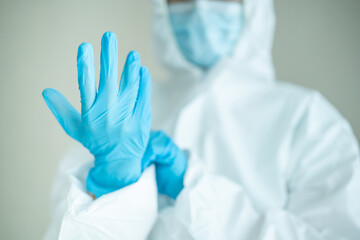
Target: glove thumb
(68,117)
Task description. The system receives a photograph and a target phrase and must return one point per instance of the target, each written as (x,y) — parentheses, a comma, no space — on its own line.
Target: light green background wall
(317,45)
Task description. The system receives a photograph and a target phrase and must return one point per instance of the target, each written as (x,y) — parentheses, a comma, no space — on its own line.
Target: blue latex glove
(114,124)
(170,163)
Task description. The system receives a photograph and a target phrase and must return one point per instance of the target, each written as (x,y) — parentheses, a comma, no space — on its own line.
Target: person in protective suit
(239,155)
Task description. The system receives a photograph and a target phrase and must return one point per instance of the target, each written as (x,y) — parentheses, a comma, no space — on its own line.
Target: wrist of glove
(109,176)
(170,164)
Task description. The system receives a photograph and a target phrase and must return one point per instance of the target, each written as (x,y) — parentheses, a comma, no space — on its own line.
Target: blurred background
(317,45)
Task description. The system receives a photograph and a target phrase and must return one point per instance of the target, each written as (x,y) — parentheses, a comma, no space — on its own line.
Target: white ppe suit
(267,160)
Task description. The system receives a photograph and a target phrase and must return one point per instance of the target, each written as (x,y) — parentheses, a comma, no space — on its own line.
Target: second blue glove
(170,163)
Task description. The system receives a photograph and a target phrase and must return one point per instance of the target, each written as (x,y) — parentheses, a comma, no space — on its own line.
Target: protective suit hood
(252,50)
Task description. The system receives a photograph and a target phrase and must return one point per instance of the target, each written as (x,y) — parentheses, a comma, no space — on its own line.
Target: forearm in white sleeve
(128,213)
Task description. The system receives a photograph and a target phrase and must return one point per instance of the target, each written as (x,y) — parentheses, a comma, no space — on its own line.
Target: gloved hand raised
(170,163)
(114,124)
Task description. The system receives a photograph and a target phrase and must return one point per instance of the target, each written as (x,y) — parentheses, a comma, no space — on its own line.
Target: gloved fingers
(162,147)
(108,69)
(68,117)
(143,103)
(129,82)
(86,76)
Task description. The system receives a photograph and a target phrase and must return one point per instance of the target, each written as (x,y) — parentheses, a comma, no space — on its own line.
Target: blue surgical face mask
(206,30)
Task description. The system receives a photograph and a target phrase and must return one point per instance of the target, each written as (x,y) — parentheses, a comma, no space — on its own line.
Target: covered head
(196,38)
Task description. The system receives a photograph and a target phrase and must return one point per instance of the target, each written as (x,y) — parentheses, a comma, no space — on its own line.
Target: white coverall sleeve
(128,213)
(323,192)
